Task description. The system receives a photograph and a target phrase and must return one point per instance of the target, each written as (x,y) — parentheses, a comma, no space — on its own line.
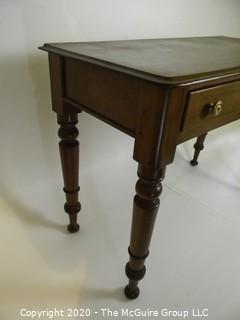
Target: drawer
(212,107)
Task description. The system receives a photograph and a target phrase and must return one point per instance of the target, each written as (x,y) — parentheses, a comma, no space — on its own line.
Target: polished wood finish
(198,146)
(198,109)
(104,92)
(69,152)
(146,204)
(157,91)
(57,83)
(170,61)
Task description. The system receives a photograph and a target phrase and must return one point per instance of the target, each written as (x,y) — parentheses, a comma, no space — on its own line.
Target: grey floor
(194,260)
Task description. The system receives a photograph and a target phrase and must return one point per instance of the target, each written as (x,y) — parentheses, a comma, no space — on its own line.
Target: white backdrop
(40,263)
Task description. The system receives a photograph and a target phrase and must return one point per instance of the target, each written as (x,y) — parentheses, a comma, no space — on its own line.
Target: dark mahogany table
(161,92)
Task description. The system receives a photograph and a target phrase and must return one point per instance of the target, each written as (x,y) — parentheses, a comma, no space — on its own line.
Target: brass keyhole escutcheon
(216,108)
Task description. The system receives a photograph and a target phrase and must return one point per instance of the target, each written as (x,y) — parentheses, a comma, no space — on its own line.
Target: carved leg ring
(198,146)
(69,153)
(146,203)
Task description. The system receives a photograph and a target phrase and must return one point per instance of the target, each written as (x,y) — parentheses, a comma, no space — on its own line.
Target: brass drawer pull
(216,108)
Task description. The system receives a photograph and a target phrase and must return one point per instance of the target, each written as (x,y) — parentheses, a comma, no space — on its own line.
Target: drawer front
(213,107)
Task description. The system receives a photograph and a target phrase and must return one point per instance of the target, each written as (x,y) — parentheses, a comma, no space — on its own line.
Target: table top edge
(171,80)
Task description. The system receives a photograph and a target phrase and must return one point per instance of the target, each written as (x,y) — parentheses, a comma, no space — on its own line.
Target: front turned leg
(198,146)
(69,153)
(146,203)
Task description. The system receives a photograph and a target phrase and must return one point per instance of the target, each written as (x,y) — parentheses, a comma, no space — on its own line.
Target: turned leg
(146,203)
(69,153)
(198,146)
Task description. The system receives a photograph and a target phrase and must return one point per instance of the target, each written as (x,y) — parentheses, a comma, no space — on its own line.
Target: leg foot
(72,211)
(73,228)
(146,203)
(198,146)
(69,152)
(131,294)
(194,163)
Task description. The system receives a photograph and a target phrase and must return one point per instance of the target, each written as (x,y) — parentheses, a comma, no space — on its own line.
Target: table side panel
(56,81)
(111,95)
(138,107)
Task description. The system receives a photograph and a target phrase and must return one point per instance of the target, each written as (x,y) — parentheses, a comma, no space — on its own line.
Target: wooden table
(161,92)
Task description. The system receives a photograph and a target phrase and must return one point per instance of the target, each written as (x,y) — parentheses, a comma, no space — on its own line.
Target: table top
(176,60)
